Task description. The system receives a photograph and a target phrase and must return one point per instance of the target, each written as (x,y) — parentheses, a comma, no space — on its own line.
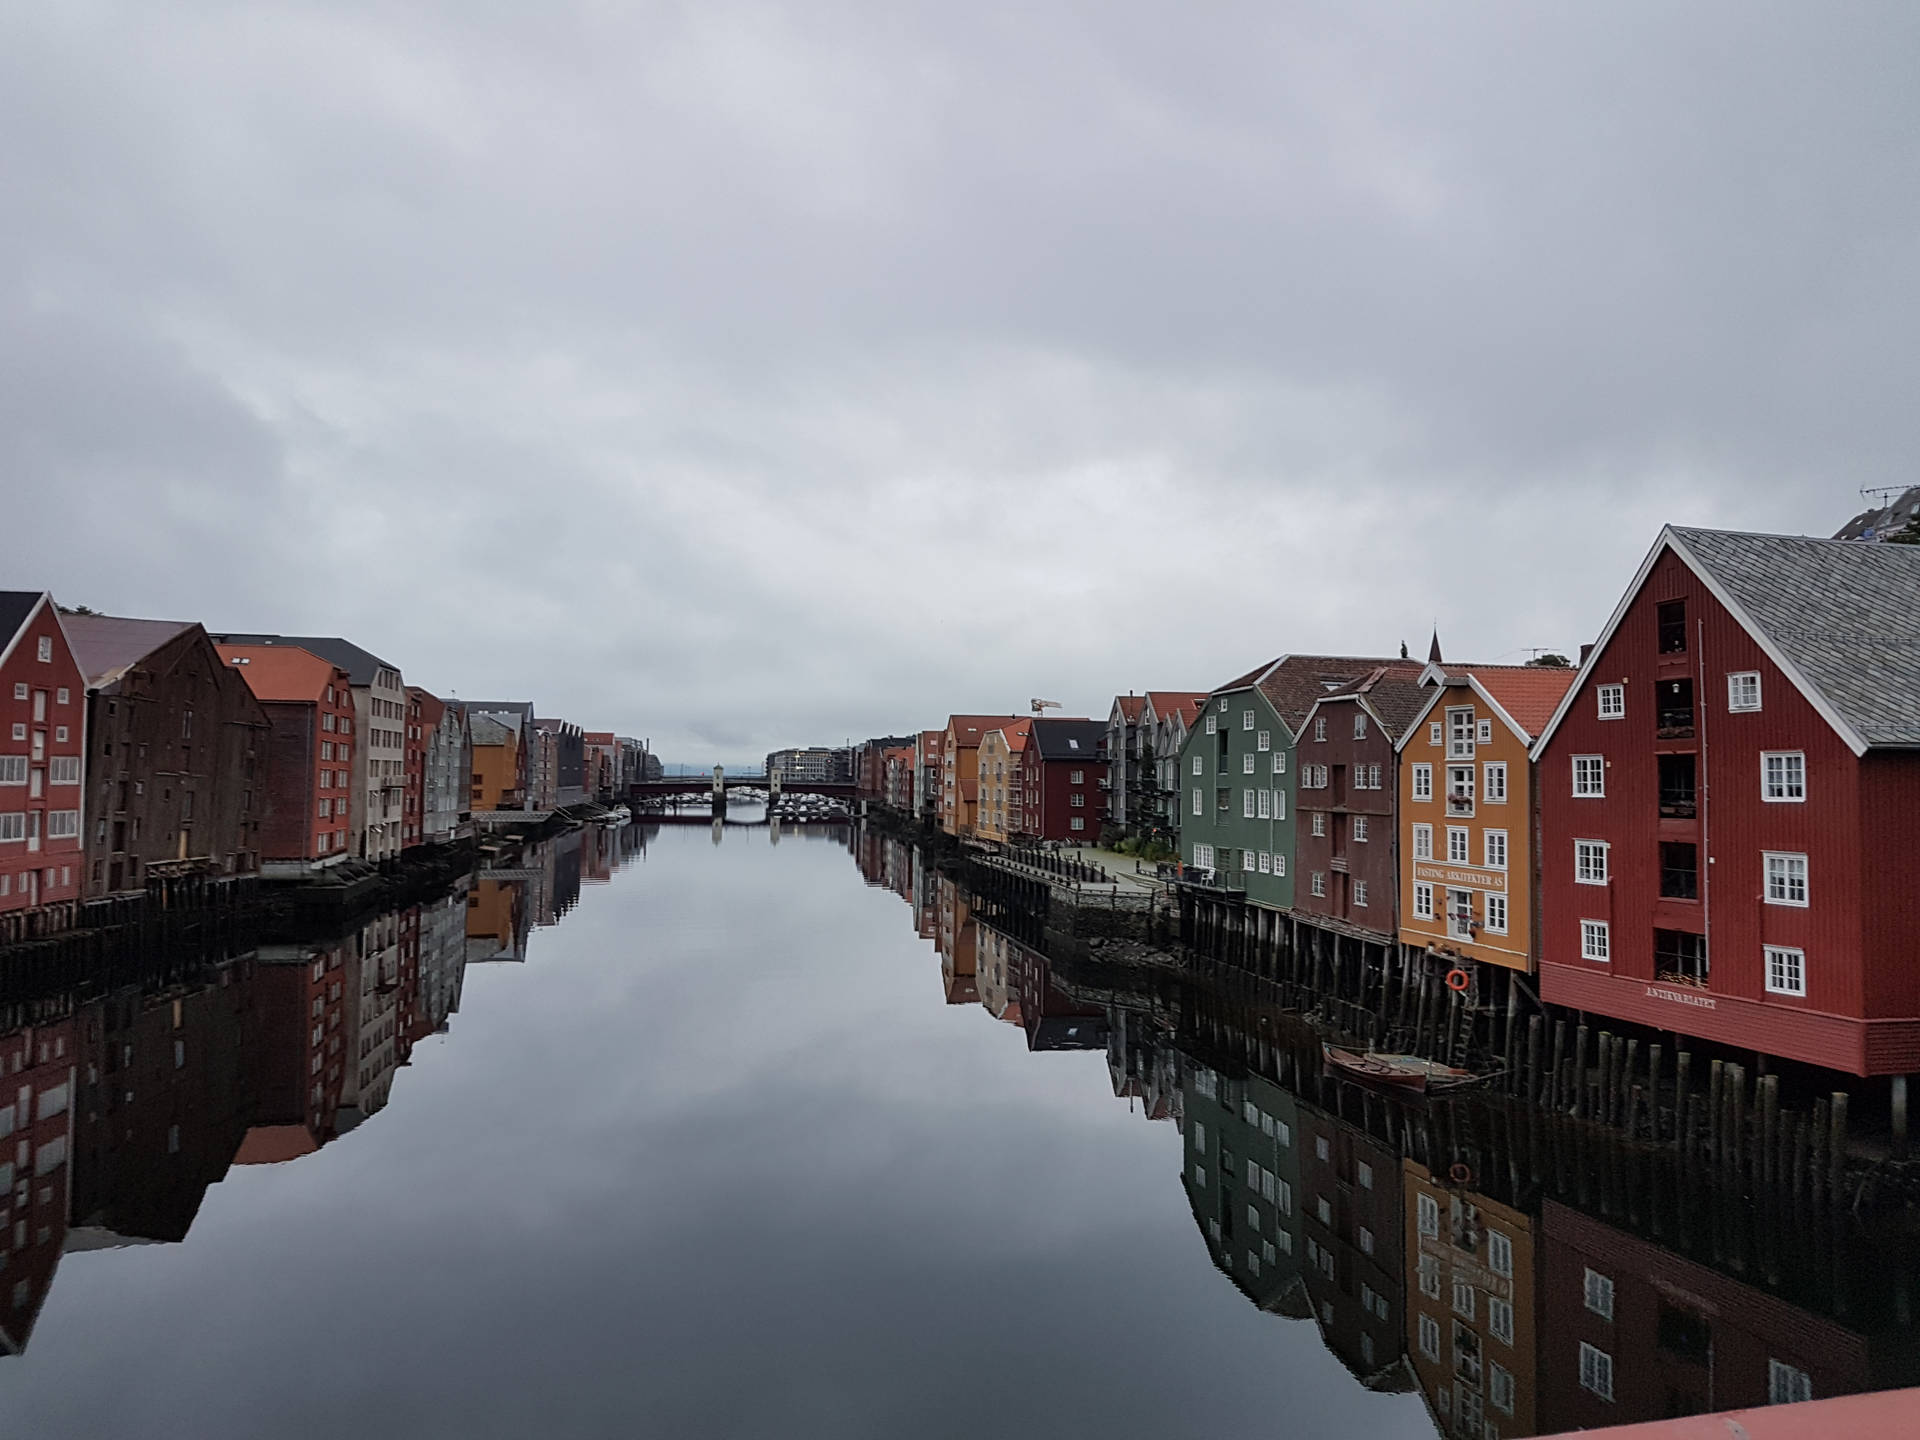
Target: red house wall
(1732,829)
(1052,781)
(1373,860)
(20,862)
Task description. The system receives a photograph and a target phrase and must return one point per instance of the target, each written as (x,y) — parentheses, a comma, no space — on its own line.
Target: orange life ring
(1460,1174)
(1458,979)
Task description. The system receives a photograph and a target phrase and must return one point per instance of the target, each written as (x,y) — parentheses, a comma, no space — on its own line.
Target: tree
(75,609)
(1550,660)
(1907,534)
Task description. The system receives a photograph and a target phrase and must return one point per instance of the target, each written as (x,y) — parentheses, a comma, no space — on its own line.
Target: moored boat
(1400,1072)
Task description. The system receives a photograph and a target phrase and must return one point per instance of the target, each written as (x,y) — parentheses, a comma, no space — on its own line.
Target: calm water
(659,1135)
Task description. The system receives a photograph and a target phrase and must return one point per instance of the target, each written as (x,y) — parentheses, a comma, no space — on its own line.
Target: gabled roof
(1185,703)
(358,663)
(1840,618)
(514,715)
(1525,696)
(488,731)
(16,608)
(283,673)
(1293,683)
(967,729)
(106,646)
(1130,707)
(1067,739)
(1391,693)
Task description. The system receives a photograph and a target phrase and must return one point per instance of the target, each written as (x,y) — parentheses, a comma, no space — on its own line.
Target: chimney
(1585,651)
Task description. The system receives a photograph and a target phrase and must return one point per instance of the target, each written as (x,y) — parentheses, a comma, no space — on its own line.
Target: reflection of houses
(369,1073)
(1630,1332)
(1470,1308)
(306,996)
(35,1175)
(497,921)
(1052,1020)
(958,938)
(1141,1068)
(996,974)
(443,961)
(1241,1173)
(1350,1190)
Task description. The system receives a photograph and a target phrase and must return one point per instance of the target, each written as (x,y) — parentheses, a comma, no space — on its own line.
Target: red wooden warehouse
(42,739)
(1727,799)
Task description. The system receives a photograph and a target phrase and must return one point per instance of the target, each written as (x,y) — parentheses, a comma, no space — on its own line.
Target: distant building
(1061,775)
(817,766)
(929,750)
(1000,770)
(379,752)
(558,764)
(1877,524)
(438,768)
(43,710)
(498,765)
(308,702)
(516,717)
(602,764)
(176,754)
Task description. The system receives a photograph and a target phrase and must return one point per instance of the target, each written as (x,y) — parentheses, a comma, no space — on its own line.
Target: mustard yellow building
(496,766)
(1470,1307)
(1466,806)
(959,797)
(999,774)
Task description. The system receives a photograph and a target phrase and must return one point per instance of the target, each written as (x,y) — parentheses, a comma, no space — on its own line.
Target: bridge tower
(720,790)
(773,789)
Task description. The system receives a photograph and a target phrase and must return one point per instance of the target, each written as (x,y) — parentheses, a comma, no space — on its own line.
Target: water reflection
(1524,1275)
(130,1094)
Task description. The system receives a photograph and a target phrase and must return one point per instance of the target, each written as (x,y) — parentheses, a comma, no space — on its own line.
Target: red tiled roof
(1185,703)
(1529,693)
(1131,706)
(1241,682)
(967,729)
(280,672)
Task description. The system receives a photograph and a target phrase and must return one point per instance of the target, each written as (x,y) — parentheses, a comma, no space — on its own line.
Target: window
(1499,1254)
(1787,1384)
(1599,1293)
(1363,1175)
(19,689)
(1360,893)
(1433,733)
(1366,1240)
(1743,690)
(1786,879)
(1460,789)
(1077,823)
(1246,763)
(1460,732)
(1463,1299)
(1786,970)
(1266,862)
(1594,940)
(1500,1388)
(1430,1276)
(13,769)
(1279,863)
(1265,799)
(1199,802)
(1077,777)
(1612,701)
(1319,882)
(46,648)
(1458,851)
(1497,914)
(1196,764)
(19,731)
(1500,1319)
(1494,843)
(1590,862)
(1246,859)
(1324,1210)
(1422,900)
(1596,1371)
(1428,1211)
(1212,724)
(1589,776)
(1423,842)
(1360,829)
(1266,740)
(1373,777)
(63,696)
(1494,773)
(1077,800)
(1671,618)
(1246,805)
(1279,762)
(1279,804)
(1320,727)
(13,825)
(1783,776)
(1429,1337)
(1203,857)
(1423,782)
(1360,726)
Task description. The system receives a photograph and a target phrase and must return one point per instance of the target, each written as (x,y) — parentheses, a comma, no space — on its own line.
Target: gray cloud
(744,376)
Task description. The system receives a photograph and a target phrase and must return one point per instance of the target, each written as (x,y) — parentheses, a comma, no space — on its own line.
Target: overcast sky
(744,375)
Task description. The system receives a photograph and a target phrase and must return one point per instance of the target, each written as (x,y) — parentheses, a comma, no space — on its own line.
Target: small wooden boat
(1398,1072)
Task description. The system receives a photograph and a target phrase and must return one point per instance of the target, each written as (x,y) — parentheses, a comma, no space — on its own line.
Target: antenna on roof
(1881,495)
(1040,706)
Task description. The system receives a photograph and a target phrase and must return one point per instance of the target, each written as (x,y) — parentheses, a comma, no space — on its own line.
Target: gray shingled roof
(1845,614)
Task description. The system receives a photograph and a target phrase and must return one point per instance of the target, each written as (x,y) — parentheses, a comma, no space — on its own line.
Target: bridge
(720,784)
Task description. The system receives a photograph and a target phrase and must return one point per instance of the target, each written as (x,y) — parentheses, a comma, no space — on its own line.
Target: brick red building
(36,1176)
(1727,802)
(309,706)
(1346,867)
(1061,771)
(42,740)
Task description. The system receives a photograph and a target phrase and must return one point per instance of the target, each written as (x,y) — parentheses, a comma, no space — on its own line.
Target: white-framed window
(1223,704)
(1595,943)
(1598,1290)
(1743,690)
(13,769)
(1077,823)
(1279,762)
(1612,701)
(1320,822)
(1279,863)
(1596,1371)
(1360,725)
(59,734)
(1493,844)
(1459,789)
(1433,733)
(1500,1388)
(1423,842)
(1203,856)
(1320,727)
(63,770)
(1246,859)
(1279,804)
(1500,1319)
(1427,1209)
(1496,913)
(1423,781)
(1422,900)
(1429,1337)
(1783,776)
(1590,862)
(1360,829)
(63,824)
(1196,764)
(1213,724)
(1786,878)
(63,696)
(1494,774)
(1459,845)
(1360,893)
(1265,798)
(1463,1305)
(1483,732)
(1787,1384)
(1319,882)
(1460,731)
(1077,777)
(1246,763)
(1266,862)
(1589,776)
(1373,777)
(19,689)
(1266,741)
(13,825)
(19,730)
(1246,719)
(1786,970)
(1246,805)
(1199,802)
(1076,800)
(1324,1209)
(46,648)
(1499,1254)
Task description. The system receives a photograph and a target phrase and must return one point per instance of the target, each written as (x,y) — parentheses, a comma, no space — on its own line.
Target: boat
(1398,1072)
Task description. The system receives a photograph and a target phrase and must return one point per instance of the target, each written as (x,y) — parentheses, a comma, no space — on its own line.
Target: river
(682,1131)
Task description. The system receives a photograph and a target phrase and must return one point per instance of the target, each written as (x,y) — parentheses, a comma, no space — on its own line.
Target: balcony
(1673,723)
(1459,804)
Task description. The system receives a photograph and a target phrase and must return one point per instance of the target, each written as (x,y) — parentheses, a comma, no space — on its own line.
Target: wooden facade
(42,741)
